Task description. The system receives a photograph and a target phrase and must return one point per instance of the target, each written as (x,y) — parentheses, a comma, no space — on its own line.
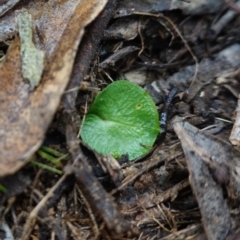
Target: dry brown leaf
(25,115)
(55,20)
(212,163)
(235,134)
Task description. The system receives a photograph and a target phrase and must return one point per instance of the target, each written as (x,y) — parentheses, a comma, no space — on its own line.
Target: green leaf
(123,119)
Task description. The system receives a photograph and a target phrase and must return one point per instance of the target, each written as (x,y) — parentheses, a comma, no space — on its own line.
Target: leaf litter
(26,113)
(184,189)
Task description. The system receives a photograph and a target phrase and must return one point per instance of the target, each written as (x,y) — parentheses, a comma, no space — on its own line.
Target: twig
(232,6)
(100,202)
(141,36)
(27,229)
(90,212)
(183,39)
(154,161)
(86,52)
(225,19)
(179,34)
(155,220)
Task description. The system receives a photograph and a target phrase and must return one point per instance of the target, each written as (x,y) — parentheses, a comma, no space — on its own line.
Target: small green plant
(123,119)
(52,156)
(2,189)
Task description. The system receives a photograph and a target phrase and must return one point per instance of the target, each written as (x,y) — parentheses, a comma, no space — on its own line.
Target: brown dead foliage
(26,114)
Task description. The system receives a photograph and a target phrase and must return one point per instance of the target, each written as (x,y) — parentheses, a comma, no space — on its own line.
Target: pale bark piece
(25,115)
(235,134)
(32,58)
(211,163)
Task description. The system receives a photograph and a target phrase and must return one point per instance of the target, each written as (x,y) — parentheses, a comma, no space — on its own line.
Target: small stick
(179,34)
(95,196)
(232,6)
(34,213)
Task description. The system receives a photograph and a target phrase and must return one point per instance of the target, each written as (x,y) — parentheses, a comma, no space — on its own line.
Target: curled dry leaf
(212,163)
(235,134)
(126,29)
(55,19)
(25,115)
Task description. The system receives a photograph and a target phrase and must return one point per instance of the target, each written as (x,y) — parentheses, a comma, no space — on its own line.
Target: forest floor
(56,57)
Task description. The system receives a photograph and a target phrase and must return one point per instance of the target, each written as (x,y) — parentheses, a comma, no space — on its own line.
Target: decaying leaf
(211,163)
(25,115)
(122,29)
(192,7)
(227,60)
(51,28)
(32,59)
(235,134)
(196,7)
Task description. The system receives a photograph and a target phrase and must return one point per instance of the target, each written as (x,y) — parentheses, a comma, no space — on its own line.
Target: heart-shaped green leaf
(123,119)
